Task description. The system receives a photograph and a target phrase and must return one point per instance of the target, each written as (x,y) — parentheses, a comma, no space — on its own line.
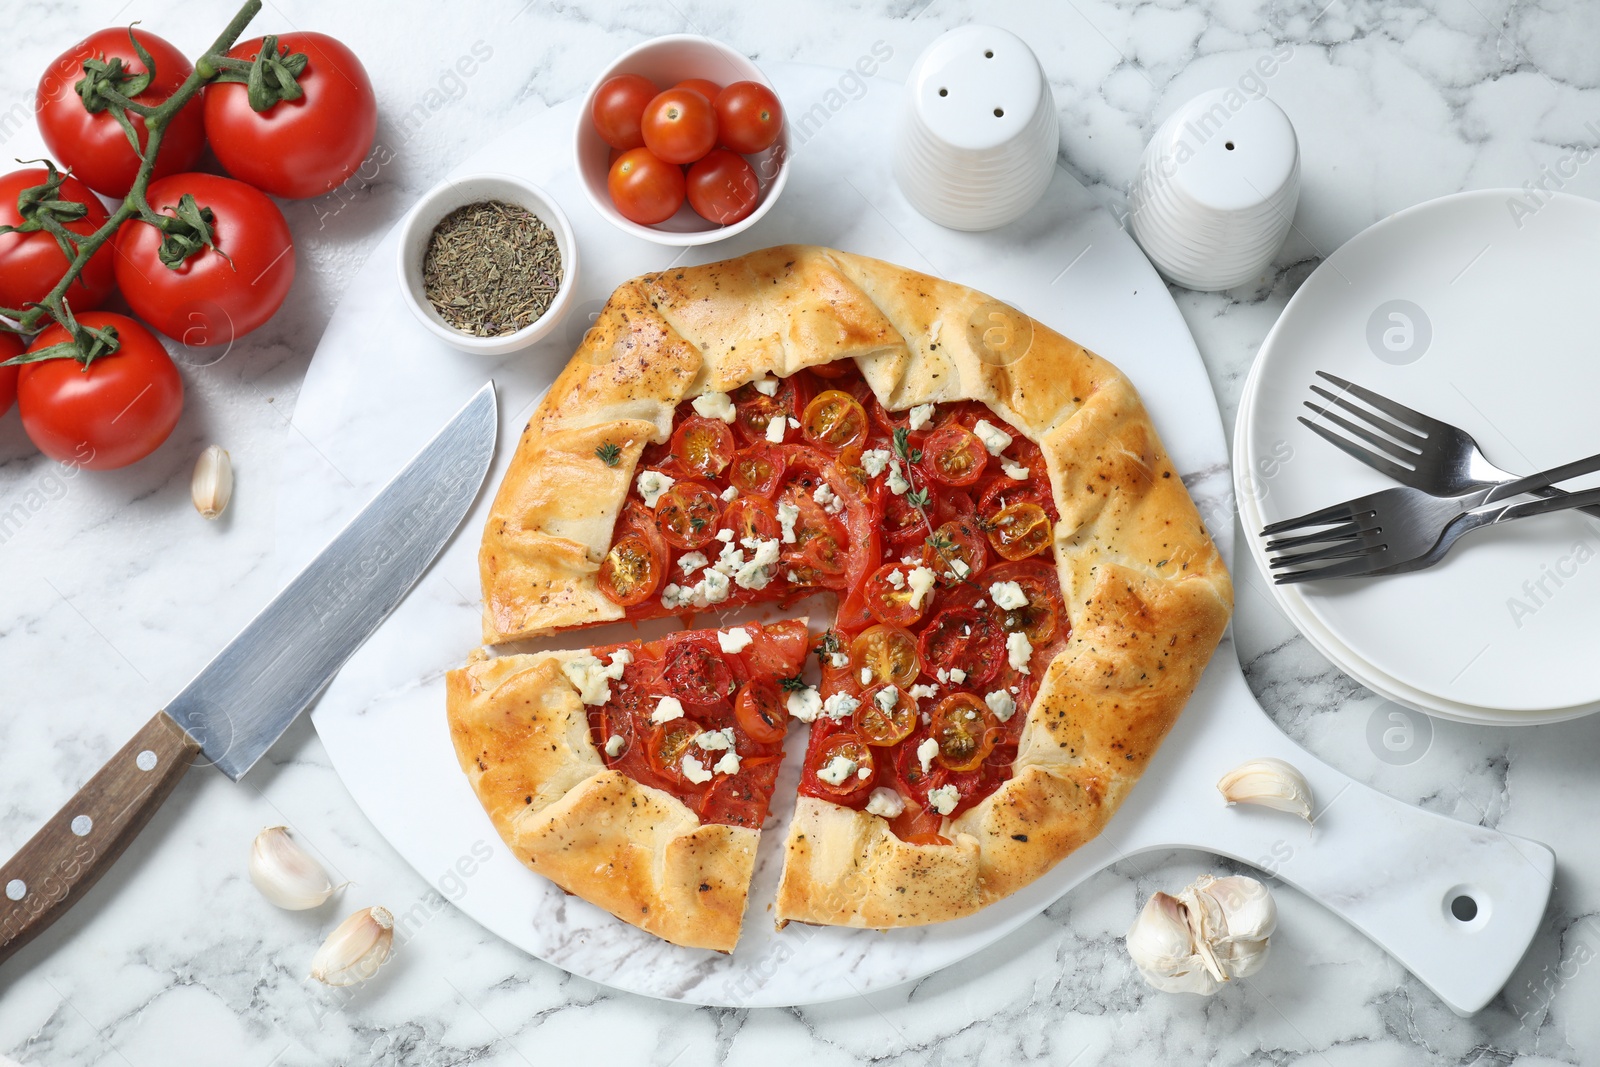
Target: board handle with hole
(68,855)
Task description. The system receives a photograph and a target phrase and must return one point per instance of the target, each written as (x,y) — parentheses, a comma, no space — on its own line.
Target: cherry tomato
(752,517)
(741,799)
(956,550)
(817,546)
(834,420)
(32,263)
(904,524)
(219,293)
(1020,530)
(755,409)
(704,86)
(954,456)
(643,188)
(670,742)
(722,187)
(1002,492)
(93,145)
(114,412)
(777,650)
(679,126)
(703,446)
(687,514)
(966,638)
(965,729)
(758,469)
(749,117)
(858,756)
(619,110)
(632,570)
(696,672)
(1042,616)
(761,711)
(887,653)
(889,594)
(879,725)
(10,346)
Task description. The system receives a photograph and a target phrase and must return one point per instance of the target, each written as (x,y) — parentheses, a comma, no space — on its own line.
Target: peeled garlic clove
(287,874)
(356,948)
(212,485)
(1269,782)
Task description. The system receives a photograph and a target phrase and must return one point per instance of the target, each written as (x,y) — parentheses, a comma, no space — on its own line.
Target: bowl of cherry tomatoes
(682,141)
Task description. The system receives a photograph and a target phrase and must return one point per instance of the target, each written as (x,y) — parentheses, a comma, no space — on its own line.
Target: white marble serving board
(380,386)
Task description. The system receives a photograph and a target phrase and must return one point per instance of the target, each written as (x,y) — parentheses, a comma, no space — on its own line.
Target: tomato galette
(1023,597)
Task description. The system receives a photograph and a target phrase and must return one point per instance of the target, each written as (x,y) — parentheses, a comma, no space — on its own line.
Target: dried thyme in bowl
(491,268)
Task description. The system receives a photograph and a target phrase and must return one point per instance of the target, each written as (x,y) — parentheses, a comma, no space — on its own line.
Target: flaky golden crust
(1145,589)
(522,737)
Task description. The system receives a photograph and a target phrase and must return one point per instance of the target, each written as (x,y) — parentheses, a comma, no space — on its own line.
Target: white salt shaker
(1216,190)
(978,134)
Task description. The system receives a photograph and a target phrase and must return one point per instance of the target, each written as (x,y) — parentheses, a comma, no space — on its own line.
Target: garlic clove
(356,948)
(1162,947)
(1269,782)
(287,874)
(211,487)
(1216,930)
(1248,911)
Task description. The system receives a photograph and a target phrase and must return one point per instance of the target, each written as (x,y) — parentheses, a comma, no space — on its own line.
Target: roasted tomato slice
(834,420)
(954,456)
(752,517)
(888,654)
(755,409)
(887,715)
(696,672)
(760,711)
(633,569)
(669,743)
(687,514)
(965,730)
(956,550)
(777,649)
(758,469)
(1020,530)
(889,596)
(968,638)
(835,769)
(1042,616)
(704,447)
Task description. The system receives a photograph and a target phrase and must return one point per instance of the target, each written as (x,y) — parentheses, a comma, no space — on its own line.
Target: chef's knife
(250,693)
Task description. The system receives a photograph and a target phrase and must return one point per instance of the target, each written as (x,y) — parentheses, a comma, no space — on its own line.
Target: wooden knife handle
(77,846)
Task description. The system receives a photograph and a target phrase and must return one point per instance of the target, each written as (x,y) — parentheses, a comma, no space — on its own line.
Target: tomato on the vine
(218,293)
(749,117)
(722,187)
(112,413)
(956,550)
(679,126)
(754,410)
(752,518)
(696,672)
(32,263)
(10,346)
(645,189)
(670,742)
(619,109)
(301,147)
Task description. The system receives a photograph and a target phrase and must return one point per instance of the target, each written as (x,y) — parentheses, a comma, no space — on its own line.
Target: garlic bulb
(212,485)
(285,873)
(1271,783)
(356,948)
(1215,930)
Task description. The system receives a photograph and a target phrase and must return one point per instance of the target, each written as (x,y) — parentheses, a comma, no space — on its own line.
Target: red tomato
(967,638)
(757,469)
(619,109)
(302,147)
(32,263)
(756,409)
(749,117)
(704,86)
(722,187)
(220,293)
(669,743)
(695,671)
(643,188)
(1043,615)
(632,570)
(115,412)
(954,456)
(679,126)
(956,550)
(703,446)
(760,711)
(10,345)
(687,514)
(855,786)
(888,596)
(92,144)
(965,729)
(752,517)
(1018,531)
(777,650)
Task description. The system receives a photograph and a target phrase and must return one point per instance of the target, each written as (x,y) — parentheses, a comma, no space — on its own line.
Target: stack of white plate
(1216,190)
(978,133)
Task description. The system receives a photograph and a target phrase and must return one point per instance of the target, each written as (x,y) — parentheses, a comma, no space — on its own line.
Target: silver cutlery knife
(255,687)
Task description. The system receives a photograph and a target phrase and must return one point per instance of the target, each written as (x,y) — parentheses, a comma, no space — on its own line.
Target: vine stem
(156,119)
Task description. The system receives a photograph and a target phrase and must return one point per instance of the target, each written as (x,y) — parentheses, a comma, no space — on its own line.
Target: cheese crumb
(925,753)
(887,698)
(838,770)
(734,641)
(1020,651)
(1002,704)
(959,568)
(874,461)
(730,494)
(957,675)
(725,536)
(840,706)
(828,499)
(921,580)
(591,678)
(805,704)
(1008,595)
(768,386)
(757,572)
(993,437)
(942,674)
(866,675)
(776,428)
(838,660)
(651,484)
(895,578)
(728,764)
(794,423)
(1015,471)
(885,802)
(715,406)
(920,415)
(924,692)
(614,745)
(670,708)
(692,561)
(788,514)
(696,771)
(715,740)
(897,481)
(944,799)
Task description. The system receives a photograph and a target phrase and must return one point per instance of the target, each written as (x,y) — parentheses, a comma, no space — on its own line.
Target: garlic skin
(1216,930)
(1269,782)
(287,874)
(356,948)
(211,487)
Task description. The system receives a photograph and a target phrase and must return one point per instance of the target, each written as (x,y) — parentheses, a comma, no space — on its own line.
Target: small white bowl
(459,192)
(668,61)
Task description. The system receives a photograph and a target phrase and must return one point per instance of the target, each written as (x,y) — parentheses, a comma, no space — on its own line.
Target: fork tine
(1355,546)
(1337,533)
(1326,517)
(1350,568)
(1424,424)
(1399,472)
(1410,443)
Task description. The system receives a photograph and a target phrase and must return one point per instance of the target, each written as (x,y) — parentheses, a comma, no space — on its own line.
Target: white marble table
(112,591)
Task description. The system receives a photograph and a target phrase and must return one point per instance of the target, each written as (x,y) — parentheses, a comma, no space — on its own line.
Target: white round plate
(1475,309)
(380,385)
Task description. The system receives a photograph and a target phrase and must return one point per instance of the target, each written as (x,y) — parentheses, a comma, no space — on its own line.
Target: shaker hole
(944,92)
(989,54)
(1464,908)
(999,112)
(1228,146)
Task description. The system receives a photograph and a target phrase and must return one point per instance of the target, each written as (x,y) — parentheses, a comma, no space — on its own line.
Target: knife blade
(248,695)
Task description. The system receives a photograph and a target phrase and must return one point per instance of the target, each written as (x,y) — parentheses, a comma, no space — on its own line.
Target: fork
(1419,451)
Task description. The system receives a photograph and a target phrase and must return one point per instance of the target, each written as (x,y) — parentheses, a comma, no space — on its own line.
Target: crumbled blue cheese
(776,428)
(805,704)
(712,588)
(993,437)
(958,568)
(838,770)
(728,764)
(1015,471)
(593,679)
(768,386)
(692,561)
(1008,595)
(668,709)
(895,578)
(957,675)
(840,706)
(897,480)
(924,692)
(614,745)
(942,674)
(756,572)
(735,640)
(715,406)
(787,516)
(921,581)
(944,799)
(866,675)
(828,499)
(1020,651)
(887,698)
(925,753)
(919,416)
(651,484)
(725,536)
(715,740)
(885,802)
(695,771)
(1002,704)
(730,494)
(838,660)
(794,423)
(874,461)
